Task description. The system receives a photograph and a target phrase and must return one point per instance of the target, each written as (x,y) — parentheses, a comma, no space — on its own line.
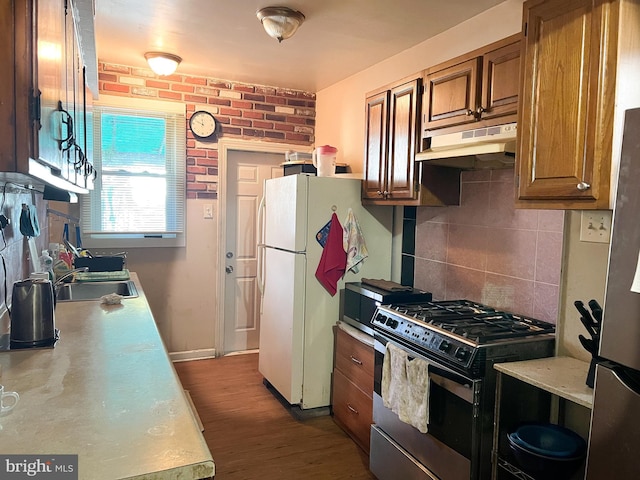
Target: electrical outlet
(595,226)
(208,211)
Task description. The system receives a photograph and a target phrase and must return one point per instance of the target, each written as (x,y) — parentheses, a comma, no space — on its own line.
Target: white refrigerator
(297,313)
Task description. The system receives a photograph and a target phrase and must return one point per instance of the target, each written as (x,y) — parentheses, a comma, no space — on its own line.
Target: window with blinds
(139,153)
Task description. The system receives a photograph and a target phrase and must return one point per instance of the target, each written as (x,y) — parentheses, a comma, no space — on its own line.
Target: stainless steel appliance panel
(424,448)
(621,317)
(391,461)
(361,301)
(614,438)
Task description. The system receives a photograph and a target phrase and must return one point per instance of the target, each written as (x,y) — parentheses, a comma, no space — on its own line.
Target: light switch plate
(208,211)
(595,226)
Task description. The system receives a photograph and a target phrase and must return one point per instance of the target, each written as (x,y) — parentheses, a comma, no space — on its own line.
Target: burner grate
(473,321)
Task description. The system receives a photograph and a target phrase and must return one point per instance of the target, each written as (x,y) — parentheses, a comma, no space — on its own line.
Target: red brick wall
(244,111)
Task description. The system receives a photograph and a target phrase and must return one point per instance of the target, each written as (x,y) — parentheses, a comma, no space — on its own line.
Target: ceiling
(224,39)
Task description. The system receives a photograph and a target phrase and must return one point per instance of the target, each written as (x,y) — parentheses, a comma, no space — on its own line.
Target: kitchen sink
(74,292)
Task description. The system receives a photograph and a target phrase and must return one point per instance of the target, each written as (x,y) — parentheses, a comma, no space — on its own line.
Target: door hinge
(34,108)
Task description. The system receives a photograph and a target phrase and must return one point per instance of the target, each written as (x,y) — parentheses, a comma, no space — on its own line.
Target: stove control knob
(381,318)
(392,323)
(445,346)
(462,354)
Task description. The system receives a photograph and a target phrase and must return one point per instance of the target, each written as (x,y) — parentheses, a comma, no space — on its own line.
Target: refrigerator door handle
(260,275)
(260,226)
(260,251)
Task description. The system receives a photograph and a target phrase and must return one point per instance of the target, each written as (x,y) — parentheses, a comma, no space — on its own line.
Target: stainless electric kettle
(32,314)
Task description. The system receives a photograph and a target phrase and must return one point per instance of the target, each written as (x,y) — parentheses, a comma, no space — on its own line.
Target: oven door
(447,449)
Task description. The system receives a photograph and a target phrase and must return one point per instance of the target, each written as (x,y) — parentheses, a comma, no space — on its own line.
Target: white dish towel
(405,387)
(353,243)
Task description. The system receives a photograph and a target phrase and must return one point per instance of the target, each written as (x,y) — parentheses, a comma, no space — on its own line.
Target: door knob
(228,269)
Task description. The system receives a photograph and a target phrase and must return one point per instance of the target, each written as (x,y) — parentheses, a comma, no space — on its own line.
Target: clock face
(202,124)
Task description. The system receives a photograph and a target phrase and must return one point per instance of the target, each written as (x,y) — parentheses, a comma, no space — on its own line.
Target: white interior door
(246,173)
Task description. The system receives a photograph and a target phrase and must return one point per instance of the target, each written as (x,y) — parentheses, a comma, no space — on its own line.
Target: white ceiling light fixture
(280,22)
(162,63)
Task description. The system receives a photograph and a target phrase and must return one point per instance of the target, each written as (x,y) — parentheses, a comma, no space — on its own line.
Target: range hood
(481,148)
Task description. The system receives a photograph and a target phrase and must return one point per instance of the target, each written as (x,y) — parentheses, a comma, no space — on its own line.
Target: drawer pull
(355,360)
(352,409)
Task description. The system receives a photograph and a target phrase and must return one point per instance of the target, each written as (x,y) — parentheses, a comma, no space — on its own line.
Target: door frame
(225,147)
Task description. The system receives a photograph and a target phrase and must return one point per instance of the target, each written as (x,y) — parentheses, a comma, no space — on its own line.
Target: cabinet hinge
(525,28)
(34,107)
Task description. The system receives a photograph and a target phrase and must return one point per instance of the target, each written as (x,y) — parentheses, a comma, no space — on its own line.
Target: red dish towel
(333,261)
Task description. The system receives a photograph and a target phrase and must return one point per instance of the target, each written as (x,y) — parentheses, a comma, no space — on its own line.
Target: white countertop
(108,392)
(562,376)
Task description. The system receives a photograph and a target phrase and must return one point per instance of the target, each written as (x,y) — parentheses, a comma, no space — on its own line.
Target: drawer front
(352,409)
(355,360)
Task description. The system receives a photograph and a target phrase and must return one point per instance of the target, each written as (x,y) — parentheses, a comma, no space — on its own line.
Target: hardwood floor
(252,435)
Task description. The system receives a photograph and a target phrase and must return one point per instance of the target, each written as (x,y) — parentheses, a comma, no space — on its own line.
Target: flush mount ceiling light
(280,22)
(162,63)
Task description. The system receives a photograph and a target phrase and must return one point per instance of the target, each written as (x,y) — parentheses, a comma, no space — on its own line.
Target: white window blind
(139,153)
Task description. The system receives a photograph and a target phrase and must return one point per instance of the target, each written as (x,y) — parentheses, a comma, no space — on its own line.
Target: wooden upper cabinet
(42,112)
(500,81)
(480,86)
(377,124)
(565,123)
(451,95)
(403,126)
(392,125)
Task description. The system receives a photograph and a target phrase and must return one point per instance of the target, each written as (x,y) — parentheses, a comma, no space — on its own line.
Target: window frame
(177,172)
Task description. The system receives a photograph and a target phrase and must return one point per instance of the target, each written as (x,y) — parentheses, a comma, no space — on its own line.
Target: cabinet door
(50,60)
(377,117)
(403,125)
(565,121)
(451,95)
(352,408)
(500,81)
(69,97)
(356,360)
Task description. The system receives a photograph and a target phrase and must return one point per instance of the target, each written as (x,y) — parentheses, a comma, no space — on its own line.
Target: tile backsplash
(488,251)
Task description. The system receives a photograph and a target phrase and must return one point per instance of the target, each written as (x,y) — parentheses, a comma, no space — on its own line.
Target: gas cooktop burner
(461,333)
(473,321)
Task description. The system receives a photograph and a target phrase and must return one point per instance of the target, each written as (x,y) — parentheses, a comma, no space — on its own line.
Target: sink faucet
(61,279)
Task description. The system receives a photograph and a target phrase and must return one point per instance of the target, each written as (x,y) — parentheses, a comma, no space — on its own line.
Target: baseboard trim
(192,355)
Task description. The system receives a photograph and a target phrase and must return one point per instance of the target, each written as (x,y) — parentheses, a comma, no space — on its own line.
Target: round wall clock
(202,124)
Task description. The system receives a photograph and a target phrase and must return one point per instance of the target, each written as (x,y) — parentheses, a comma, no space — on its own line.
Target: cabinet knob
(480,110)
(582,186)
(379,193)
(469,112)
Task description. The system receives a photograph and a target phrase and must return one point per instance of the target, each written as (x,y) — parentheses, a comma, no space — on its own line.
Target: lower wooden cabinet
(353,387)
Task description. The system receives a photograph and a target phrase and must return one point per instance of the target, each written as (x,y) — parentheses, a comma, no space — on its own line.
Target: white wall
(340,109)
(181,283)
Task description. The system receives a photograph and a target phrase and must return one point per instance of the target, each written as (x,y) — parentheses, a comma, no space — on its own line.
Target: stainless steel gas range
(460,341)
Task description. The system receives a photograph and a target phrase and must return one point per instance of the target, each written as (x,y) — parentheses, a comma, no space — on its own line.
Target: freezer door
(615,436)
(285,224)
(621,316)
(280,360)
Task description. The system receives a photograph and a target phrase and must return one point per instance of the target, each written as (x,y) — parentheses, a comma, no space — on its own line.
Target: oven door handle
(463,391)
